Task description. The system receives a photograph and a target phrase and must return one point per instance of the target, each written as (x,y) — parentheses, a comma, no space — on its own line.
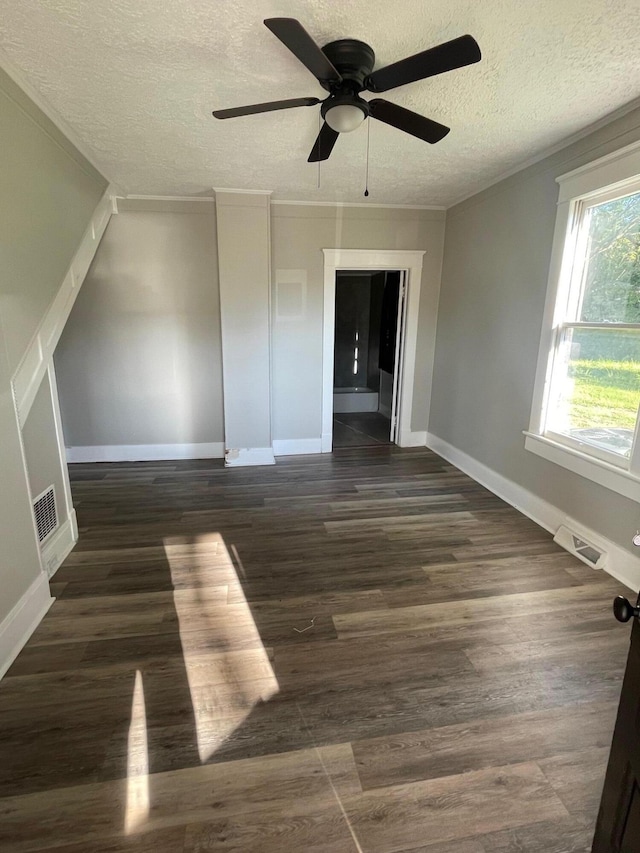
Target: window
(585,411)
(595,382)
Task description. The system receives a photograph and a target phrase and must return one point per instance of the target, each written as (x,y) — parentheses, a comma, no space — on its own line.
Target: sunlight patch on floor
(227,665)
(137,810)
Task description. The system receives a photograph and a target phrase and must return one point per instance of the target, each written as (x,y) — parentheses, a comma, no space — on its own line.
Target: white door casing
(373,259)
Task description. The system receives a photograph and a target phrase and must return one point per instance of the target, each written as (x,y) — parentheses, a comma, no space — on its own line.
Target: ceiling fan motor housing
(354,60)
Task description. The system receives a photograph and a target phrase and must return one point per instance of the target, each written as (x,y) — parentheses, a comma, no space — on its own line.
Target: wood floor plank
(392,710)
(512,739)
(425,616)
(577,779)
(390,819)
(567,835)
(465,845)
(322,831)
(312,668)
(172,839)
(601,647)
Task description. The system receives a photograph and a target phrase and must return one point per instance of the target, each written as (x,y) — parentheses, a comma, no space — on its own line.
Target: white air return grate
(46,513)
(582,548)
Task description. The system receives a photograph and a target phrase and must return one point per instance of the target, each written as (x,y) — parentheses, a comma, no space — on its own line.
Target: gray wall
(41,447)
(47,195)
(494,282)
(299,233)
(139,361)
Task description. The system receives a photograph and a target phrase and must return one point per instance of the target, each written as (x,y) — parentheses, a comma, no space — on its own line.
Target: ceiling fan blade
(294,36)
(323,144)
(445,57)
(407,120)
(266,108)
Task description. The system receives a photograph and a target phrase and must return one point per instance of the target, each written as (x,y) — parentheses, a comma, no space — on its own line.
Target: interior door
(397,369)
(618,825)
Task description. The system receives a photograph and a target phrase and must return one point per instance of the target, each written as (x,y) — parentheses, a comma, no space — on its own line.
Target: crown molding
(135,197)
(293,202)
(553,149)
(338,256)
(51,113)
(372,204)
(241,192)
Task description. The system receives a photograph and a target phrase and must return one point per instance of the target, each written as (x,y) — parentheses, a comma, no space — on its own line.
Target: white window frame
(608,177)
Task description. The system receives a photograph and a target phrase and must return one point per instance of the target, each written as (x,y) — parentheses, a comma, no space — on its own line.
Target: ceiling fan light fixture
(343,118)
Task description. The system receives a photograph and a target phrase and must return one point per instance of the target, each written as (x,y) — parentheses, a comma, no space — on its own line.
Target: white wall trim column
(244,262)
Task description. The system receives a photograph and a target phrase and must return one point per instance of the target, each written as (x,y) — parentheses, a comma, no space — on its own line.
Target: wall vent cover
(46,513)
(581,548)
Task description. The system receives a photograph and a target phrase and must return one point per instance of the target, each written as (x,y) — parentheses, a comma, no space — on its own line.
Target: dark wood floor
(360,429)
(363,651)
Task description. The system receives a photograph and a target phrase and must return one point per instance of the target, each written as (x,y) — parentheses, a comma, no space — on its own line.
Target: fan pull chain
(366,180)
(319,129)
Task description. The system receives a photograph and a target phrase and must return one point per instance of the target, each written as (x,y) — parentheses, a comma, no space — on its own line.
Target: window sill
(605,474)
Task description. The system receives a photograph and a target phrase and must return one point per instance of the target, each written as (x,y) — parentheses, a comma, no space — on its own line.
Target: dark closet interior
(366,315)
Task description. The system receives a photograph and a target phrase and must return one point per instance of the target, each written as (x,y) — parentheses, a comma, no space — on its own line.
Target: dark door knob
(623,610)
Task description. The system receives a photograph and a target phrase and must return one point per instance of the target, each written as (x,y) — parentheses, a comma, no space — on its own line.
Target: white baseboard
(21,622)
(296,446)
(242,456)
(412,439)
(145,452)
(355,401)
(326,442)
(621,564)
(58,546)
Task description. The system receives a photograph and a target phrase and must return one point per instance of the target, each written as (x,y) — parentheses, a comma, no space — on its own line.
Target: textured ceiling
(137,80)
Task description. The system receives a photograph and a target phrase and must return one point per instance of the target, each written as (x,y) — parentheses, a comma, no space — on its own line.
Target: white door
(399,354)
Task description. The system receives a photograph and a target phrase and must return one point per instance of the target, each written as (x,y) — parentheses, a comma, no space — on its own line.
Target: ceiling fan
(345,68)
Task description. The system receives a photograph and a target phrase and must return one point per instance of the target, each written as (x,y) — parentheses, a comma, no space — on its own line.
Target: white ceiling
(136,80)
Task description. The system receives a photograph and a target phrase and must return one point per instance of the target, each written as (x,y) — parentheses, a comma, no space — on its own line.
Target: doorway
(409,264)
(367,343)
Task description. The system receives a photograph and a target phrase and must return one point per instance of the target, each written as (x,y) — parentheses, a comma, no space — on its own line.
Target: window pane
(612,273)
(597,388)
